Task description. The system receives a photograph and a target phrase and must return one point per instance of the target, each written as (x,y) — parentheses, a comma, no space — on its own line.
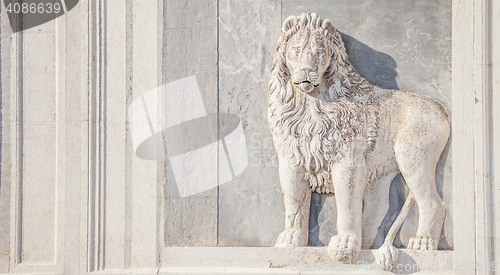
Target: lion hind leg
(417,164)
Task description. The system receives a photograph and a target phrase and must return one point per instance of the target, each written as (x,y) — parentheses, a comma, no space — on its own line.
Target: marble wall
(400,45)
(228,46)
(77,195)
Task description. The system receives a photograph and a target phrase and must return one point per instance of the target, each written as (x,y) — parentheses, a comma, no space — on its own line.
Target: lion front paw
(344,248)
(290,238)
(422,243)
(386,256)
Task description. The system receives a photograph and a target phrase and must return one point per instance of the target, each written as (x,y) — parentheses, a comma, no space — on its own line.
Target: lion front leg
(349,181)
(297,198)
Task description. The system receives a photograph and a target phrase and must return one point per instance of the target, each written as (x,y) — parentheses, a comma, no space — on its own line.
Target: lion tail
(410,200)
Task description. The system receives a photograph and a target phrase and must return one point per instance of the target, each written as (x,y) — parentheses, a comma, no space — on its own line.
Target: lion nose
(306,71)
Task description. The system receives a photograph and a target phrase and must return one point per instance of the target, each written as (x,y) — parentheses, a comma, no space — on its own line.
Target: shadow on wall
(376,67)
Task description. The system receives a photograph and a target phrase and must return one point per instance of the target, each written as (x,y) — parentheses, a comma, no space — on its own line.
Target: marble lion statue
(334,132)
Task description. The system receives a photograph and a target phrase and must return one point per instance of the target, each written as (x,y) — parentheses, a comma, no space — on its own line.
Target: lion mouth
(306,86)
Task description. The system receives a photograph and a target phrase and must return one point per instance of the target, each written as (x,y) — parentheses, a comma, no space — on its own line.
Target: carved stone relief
(334,132)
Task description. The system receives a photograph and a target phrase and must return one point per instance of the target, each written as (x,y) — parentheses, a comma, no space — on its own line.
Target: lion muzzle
(305,80)
(306,86)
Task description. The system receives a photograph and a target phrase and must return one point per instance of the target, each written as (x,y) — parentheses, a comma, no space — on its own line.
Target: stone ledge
(302,260)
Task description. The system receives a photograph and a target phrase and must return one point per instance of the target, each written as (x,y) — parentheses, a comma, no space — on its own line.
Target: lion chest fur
(318,133)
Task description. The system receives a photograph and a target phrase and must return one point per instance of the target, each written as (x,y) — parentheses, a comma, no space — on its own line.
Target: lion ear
(289,23)
(327,24)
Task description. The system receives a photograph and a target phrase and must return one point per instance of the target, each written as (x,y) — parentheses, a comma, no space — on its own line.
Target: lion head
(311,55)
(308,54)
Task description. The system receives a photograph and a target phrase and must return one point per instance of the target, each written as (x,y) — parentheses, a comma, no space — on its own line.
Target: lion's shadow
(376,67)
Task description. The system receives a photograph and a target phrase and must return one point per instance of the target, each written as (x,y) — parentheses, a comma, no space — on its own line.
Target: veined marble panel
(404,45)
(251,205)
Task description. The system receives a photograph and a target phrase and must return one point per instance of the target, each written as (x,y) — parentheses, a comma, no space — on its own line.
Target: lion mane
(316,129)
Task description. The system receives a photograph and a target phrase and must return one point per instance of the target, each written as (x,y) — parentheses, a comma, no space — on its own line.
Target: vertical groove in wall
(484,209)
(17,142)
(57,177)
(494,100)
(5,150)
(160,163)
(93,153)
(57,136)
(19,91)
(102,129)
(128,138)
(97,111)
(91,141)
(98,139)
(486,110)
(218,124)
(164,165)
(489,100)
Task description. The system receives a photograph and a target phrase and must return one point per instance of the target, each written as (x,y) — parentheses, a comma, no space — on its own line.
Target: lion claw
(289,238)
(344,248)
(421,243)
